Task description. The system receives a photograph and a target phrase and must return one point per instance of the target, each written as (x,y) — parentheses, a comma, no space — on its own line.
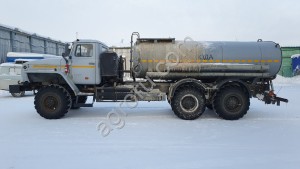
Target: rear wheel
(21,94)
(188,103)
(52,102)
(231,103)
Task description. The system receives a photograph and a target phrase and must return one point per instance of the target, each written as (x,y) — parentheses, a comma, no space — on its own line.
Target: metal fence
(16,40)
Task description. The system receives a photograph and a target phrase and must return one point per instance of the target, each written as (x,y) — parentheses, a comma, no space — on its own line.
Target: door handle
(91,63)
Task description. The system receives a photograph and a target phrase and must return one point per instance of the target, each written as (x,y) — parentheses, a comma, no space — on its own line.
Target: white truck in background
(10,72)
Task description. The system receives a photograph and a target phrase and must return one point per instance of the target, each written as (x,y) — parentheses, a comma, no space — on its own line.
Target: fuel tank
(167,58)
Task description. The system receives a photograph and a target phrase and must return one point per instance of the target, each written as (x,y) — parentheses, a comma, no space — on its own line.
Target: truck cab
(84,61)
(80,66)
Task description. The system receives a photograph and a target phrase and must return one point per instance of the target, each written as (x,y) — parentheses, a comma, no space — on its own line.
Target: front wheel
(188,103)
(52,102)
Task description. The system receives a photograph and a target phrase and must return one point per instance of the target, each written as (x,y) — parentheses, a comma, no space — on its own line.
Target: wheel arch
(175,86)
(53,78)
(235,82)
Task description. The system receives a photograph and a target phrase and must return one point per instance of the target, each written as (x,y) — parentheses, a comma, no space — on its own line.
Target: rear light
(67,68)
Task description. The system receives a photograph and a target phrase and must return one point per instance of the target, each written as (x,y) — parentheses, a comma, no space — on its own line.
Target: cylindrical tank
(170,59)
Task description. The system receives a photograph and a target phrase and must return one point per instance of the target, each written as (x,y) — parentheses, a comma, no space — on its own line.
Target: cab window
(84,50)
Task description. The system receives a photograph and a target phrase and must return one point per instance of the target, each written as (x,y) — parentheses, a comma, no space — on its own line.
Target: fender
(42,75)
(233,80)
(174,86)
(47,70)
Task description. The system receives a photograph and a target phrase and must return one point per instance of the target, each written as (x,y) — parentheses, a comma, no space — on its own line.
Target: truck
(10,74)
(190,75)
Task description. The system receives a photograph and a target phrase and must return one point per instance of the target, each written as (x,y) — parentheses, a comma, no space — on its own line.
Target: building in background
(16,40)
(286,67)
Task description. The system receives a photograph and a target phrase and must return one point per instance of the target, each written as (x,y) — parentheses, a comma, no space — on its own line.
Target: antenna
(76,35)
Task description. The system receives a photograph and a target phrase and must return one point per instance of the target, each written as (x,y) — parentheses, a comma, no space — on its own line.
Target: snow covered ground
(267,137)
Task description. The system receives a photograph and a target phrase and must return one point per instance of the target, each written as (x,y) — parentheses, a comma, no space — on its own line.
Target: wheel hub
(189,103)
(51,103)
(233,103)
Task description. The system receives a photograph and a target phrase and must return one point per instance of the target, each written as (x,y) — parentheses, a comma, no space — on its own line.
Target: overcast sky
(111,21)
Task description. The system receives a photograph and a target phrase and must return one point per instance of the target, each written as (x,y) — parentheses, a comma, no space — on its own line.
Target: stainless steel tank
(170,59)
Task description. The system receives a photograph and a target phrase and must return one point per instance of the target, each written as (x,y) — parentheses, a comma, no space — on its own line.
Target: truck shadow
(140,112)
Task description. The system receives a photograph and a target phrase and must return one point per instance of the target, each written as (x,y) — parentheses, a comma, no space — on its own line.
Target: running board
(85,94)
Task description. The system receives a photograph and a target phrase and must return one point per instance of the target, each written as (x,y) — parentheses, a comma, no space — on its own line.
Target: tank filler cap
(259,40)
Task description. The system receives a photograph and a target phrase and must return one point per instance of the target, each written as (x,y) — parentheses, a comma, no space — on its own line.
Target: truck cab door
(83,64)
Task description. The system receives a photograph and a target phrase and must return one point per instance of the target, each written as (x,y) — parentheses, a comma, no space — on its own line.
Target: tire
(231,103)
(21,94)
(188,103)
(52,102)
(81,99)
